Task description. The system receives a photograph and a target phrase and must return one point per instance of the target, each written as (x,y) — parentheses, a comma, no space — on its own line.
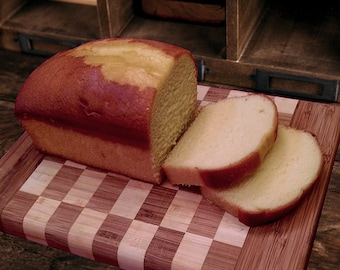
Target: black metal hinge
(202,69)
(26,43)
(328,89)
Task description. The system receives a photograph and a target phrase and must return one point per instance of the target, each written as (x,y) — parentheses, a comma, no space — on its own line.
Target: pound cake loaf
(115,104)
(227,141)
(286,175)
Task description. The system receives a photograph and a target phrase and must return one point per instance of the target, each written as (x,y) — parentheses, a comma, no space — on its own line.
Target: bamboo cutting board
(134,225)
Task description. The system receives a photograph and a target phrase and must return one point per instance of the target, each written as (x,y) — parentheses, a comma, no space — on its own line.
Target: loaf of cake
(226,142)
(115,104)
(285,176)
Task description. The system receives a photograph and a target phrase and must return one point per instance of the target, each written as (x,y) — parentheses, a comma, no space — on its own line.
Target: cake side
(114,154)
(175,107)
(287,174)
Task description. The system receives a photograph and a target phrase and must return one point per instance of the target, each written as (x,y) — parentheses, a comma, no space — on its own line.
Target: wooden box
(286,48)
(46,27)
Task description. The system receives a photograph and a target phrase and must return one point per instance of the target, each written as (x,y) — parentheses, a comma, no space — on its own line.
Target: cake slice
(226,142)
(286,175)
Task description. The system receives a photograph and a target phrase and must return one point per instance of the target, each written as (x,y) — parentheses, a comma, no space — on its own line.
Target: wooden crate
(46,27)
(280,47)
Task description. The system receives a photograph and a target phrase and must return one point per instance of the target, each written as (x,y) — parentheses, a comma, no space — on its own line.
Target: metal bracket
(26,44)
(263,79)
(202,69)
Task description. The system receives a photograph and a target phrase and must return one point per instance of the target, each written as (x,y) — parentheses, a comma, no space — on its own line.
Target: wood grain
(114,16)
(81,2)
(326,244)
(193,11)
(241,20)
(297,36)
(16,168)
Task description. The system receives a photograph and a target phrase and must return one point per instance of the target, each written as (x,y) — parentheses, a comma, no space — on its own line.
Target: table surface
(17,253)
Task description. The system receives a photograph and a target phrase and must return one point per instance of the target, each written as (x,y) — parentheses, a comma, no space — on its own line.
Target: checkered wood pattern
(125,222)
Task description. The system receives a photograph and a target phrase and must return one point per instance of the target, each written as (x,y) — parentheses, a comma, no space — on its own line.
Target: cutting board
(113,219)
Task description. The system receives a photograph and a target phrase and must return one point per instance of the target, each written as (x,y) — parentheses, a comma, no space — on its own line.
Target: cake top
(124,60)
(106,86)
